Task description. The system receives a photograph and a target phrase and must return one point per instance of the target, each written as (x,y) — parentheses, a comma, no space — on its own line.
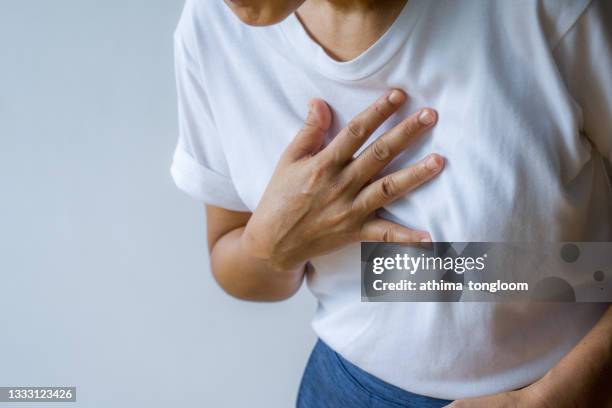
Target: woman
(513,99)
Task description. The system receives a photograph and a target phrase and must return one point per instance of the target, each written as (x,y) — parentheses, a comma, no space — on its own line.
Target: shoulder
(206,23)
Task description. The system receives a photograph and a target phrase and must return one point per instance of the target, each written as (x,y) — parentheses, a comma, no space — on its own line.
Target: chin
(256,15)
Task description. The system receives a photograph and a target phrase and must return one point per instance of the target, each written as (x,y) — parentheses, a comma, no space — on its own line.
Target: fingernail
(396,97)
(426,117)
(432,163)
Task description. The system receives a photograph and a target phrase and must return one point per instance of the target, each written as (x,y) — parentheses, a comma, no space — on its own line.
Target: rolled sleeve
(203,183)
(200,165)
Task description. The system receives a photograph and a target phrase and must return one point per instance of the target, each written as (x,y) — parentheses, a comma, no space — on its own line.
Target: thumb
(310,138)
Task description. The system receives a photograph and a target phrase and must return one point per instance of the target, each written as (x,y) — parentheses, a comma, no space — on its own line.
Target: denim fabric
(330,381)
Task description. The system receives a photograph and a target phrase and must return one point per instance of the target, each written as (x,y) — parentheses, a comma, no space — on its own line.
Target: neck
(346,28)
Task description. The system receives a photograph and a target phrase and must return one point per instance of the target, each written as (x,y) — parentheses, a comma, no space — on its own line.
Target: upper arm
(220,221)
(200,166)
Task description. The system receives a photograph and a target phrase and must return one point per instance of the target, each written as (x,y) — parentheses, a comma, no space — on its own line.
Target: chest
(494,119)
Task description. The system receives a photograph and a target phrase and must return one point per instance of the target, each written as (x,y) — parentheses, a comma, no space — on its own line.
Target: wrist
(254,248)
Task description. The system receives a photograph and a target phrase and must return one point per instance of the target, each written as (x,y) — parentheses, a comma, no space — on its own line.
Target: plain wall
(105,279)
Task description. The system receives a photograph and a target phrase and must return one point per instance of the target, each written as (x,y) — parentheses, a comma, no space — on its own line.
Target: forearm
(249,278)
(583,376)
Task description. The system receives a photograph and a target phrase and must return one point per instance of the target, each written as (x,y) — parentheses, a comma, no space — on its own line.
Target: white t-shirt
(524,95)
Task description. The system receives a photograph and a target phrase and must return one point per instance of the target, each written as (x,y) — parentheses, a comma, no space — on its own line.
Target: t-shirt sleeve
(584,58)
(199,166)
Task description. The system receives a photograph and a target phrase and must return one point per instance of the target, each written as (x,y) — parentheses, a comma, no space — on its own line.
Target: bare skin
(345,30)
(318,200)
(581,379)
(332,204)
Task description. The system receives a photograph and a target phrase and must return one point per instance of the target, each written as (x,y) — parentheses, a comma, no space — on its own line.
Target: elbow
(257,291)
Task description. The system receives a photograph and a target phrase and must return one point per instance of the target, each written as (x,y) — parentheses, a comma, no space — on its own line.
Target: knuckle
(416,174)
(318,170)
(389,235)
(356,130)
(325,161)
(380,109)
(337,156)
(380,150)
(411,126)
(388,187)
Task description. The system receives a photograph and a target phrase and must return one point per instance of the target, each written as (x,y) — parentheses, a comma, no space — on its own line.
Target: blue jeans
(329,381)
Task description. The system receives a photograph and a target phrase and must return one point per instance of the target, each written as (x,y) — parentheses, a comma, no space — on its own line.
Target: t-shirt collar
(368,62)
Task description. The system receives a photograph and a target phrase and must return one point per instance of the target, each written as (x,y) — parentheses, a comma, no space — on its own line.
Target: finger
(383,150)
(379,230)
(310,138)
(358,130)
(395,185)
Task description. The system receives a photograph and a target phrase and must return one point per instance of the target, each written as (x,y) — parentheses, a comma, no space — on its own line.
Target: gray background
(105,283)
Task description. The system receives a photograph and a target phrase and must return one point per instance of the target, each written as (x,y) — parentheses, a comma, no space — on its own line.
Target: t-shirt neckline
(369,61)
